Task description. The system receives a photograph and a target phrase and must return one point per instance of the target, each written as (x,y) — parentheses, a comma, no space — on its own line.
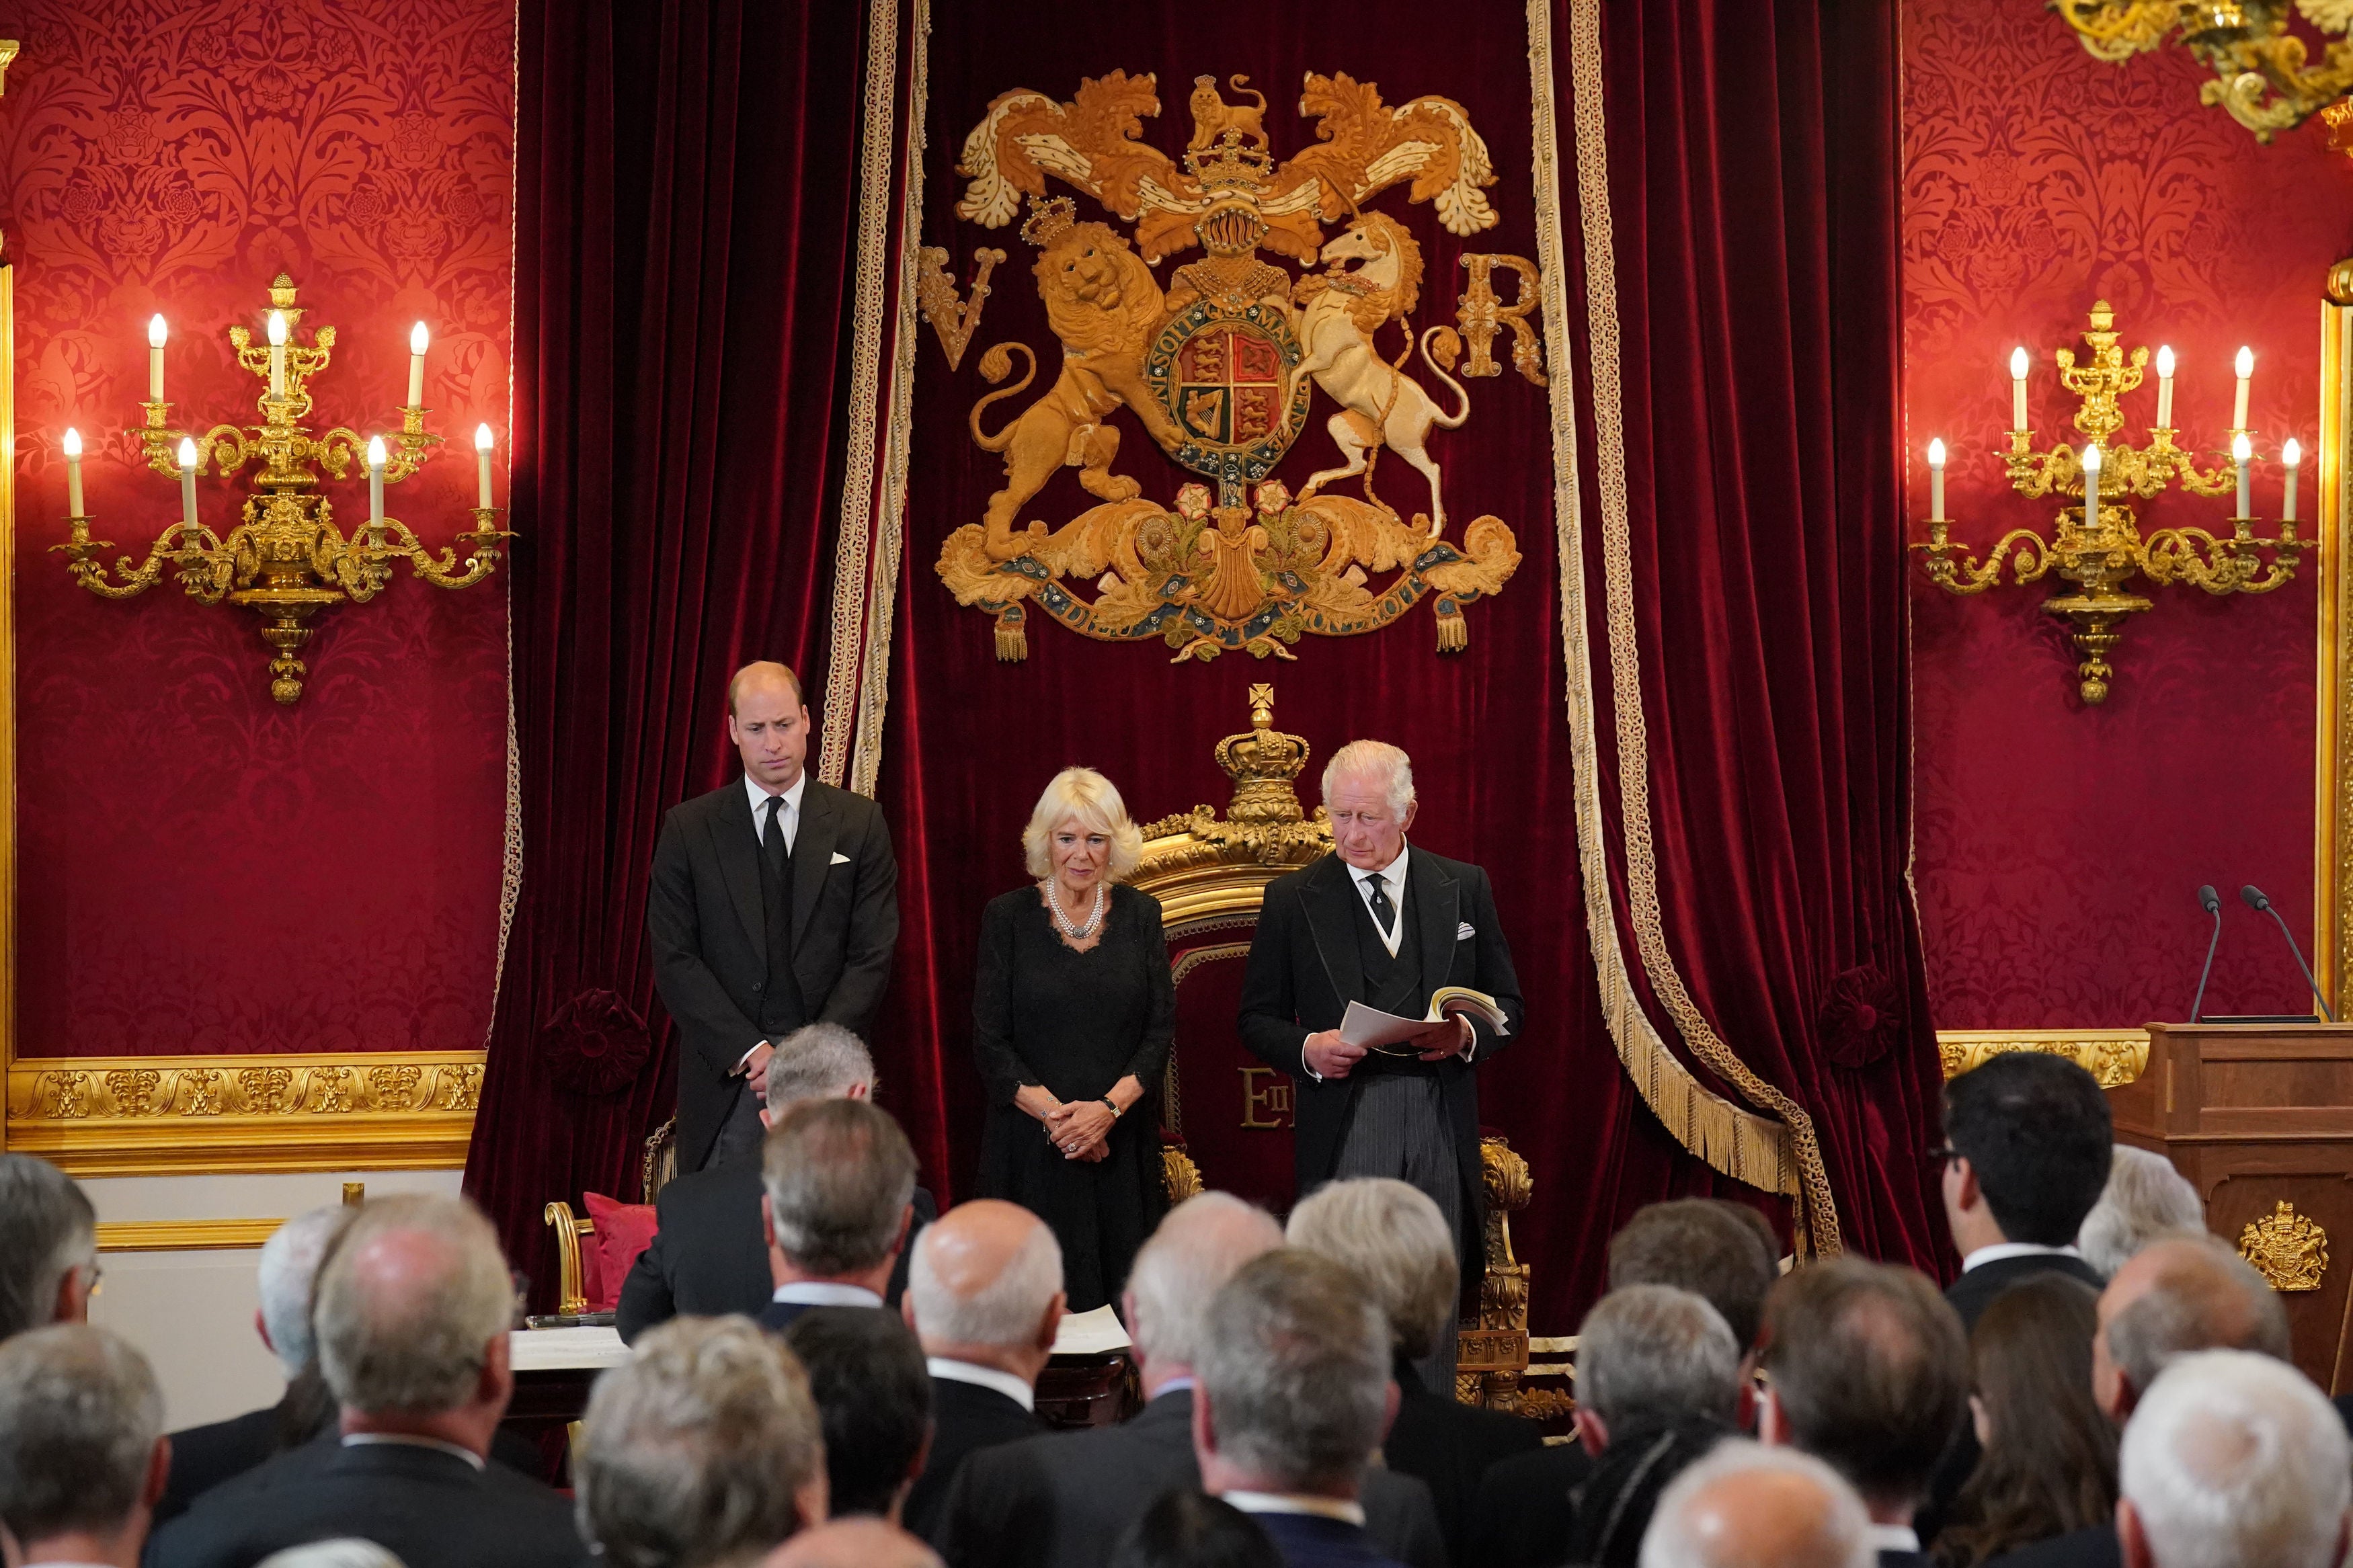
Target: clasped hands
(1329,1056)
(1080,1129)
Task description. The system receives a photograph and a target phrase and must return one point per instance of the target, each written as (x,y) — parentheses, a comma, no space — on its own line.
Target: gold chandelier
(2098,547)
(2263,75)
(285,559)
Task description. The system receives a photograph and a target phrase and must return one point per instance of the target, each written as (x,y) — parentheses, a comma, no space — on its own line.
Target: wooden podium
(2259,1117)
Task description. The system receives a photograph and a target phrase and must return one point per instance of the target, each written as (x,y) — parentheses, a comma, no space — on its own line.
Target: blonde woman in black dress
(1073,1015)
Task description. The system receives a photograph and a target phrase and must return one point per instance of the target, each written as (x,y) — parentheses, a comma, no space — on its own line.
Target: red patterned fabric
(198,869)
(610,1251)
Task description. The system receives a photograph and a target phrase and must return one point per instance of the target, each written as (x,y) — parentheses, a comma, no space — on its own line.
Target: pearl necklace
(1075,933)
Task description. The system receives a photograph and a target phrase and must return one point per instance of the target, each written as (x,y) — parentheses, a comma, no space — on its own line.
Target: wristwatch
(1107,1099)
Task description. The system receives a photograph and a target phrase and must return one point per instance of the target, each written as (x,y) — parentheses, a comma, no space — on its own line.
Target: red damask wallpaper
(2059,847)
(200,870)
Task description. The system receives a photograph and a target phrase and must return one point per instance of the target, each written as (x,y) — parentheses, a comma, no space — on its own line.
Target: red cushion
(607,1254)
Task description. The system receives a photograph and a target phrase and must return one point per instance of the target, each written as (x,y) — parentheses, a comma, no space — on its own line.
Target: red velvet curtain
(1753,161)
(686,176)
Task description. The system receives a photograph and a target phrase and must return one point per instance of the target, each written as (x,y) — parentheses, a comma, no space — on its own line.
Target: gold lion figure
(1104,304)
(1213,116)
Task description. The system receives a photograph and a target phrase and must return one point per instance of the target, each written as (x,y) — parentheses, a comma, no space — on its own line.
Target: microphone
(2256,899)
(2211,902)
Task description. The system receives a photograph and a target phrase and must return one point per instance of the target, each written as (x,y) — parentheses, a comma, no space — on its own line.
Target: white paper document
(1375,1030)
(1098,1332)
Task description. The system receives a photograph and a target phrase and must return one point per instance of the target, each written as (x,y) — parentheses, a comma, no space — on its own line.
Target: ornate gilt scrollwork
(2287,1248)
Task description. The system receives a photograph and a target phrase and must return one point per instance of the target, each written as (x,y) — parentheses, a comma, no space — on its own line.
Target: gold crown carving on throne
(1264,823)
(1262,761)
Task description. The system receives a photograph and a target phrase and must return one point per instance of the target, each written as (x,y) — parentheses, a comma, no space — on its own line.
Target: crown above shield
(1048,220)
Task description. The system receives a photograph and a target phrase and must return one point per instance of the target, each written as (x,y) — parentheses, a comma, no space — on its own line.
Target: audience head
(1745,1506)
(1650,1356)
(348,1553)
(839,1175)
(2233,1459)
(702,1448)
(1187,1530)
(83,1458)
(1082,801)
(2049,1460)
(1199,1247)
(1704,1246)
(852,1543)
(985,1286)
(48,1246)
(874,1397)
(414,1305)
(1392,1237)
(2146,1198)
(289,1269)
(816,1061)
(2179,1293)
(1295,1391)
(1870,1372)
(2029,1135)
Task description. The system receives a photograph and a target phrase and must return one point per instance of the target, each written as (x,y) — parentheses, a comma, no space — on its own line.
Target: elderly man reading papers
(1386,924)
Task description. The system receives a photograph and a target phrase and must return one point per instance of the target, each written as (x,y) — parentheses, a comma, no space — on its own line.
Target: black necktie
(772,839)
(1384,911)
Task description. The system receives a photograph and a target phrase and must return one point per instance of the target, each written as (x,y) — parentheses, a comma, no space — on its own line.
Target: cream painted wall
(192,1312)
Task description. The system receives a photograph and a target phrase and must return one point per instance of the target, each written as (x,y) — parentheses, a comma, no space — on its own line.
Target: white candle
(1935,481)
(277,353)
(2165,389)
(2246,368)
(188,483)
(156,332)
(2018,388)
(375,478)
(73,471)
(416,341)
(483,460)
(2091,486)
(2291,456)
(2242,451)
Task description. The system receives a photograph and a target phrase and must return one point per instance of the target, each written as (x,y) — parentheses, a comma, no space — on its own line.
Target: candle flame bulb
(2018,364)
(483,440)
(187,453)
(2291,454)
(2245,364)
(482,465)
(156,332)
(1936,454)
(2091,460)
(2165,361)
(277,329)
(375,451)
(418,338)
(2241,449)
(72,442)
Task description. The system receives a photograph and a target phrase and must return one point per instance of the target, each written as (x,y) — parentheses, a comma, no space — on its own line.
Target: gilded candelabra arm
(481,541)
(1951,566)
(2164,460)
(2033,473)
(410,446)
(225,448)
(2222,566)
(335,449)
(2262,81)
(195,557)
(2118,29)
(158,440)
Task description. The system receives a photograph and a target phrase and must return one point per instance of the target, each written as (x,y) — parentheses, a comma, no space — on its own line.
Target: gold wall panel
(182,1235)
(2114,1056)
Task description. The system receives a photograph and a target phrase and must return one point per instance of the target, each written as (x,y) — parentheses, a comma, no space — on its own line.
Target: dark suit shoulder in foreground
(1975,1291)
(1523,1517)
(2095,1546)
(1450,1446)
(1310,1540)
(965,1419)
(206,1457)
(429,1509)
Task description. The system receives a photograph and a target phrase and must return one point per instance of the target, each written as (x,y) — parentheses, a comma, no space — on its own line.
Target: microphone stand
(2256,898)
(2211,902)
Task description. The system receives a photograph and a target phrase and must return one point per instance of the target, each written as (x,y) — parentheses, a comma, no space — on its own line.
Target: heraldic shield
(1221,370)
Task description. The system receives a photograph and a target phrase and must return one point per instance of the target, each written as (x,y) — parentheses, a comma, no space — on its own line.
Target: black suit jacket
(1523,1517)
(1303,973)
(429,1509)
(1975,1291)
(709,1255)
(1311,1541)
(204,1457)
(2095,1546)
(1450,1445)
(1063,1501)
(965,1418)
(711,943)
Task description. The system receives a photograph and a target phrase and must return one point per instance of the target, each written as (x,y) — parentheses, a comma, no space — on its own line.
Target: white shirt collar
(759,798)
(1298,1502)
(411,1440)
(1894,1538)
(2002,1250)
(825,1293)
(1004,1382)
(1392,876)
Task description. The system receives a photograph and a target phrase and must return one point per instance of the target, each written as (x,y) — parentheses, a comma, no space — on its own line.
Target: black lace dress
(1076,1023)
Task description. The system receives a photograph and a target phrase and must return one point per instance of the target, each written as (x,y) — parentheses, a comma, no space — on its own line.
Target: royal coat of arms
(1221,370)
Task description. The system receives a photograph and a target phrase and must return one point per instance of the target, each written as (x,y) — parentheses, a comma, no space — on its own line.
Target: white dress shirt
(825,1293)
(1003,1382)
(1894,1538)
(411,1440)
(1392,876)
(1347,1512)
(790,815)
(2002,1250)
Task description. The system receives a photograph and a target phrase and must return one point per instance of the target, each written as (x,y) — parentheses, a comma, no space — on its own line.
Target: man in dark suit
(840,1181)
(412,1317)
(2027,1146)
(1382,923)
(1868,1371)
(709,1255)
(984,1296)
(1063,1501)
(774,903)
(874,1399)
(82,1451)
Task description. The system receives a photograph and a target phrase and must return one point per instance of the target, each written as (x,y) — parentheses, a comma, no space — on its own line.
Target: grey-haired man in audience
(83,1454)
(1747,1506)
(2146,1198)
(48,1246)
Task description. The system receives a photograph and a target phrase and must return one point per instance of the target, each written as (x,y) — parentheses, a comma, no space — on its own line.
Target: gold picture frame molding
(184,1235)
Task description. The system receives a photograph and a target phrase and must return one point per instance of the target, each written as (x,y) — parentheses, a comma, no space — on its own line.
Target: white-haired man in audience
(1747,1506)
(708,1254)
(2230,1461)
(204,1457)
(1063,1501)
(1390,1236)
(413,1304)
(2146,1198)
(82,1451)
(984,1296)
(1294,1398)
(703,1450)
(48,1246)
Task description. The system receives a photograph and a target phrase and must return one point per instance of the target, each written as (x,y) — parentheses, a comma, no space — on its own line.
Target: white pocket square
(1465,931)
(841,859)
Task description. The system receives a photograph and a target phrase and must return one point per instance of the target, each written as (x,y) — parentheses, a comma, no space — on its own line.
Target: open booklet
(1395,1036)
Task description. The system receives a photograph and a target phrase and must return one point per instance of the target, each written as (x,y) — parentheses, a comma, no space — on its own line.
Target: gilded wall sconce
(2097,546)
(285,559)
(2264,77)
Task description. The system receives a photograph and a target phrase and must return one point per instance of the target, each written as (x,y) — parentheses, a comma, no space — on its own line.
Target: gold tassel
(1012,642)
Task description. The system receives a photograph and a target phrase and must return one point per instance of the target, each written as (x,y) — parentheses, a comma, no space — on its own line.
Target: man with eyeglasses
(48,1246)
(1383,922)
